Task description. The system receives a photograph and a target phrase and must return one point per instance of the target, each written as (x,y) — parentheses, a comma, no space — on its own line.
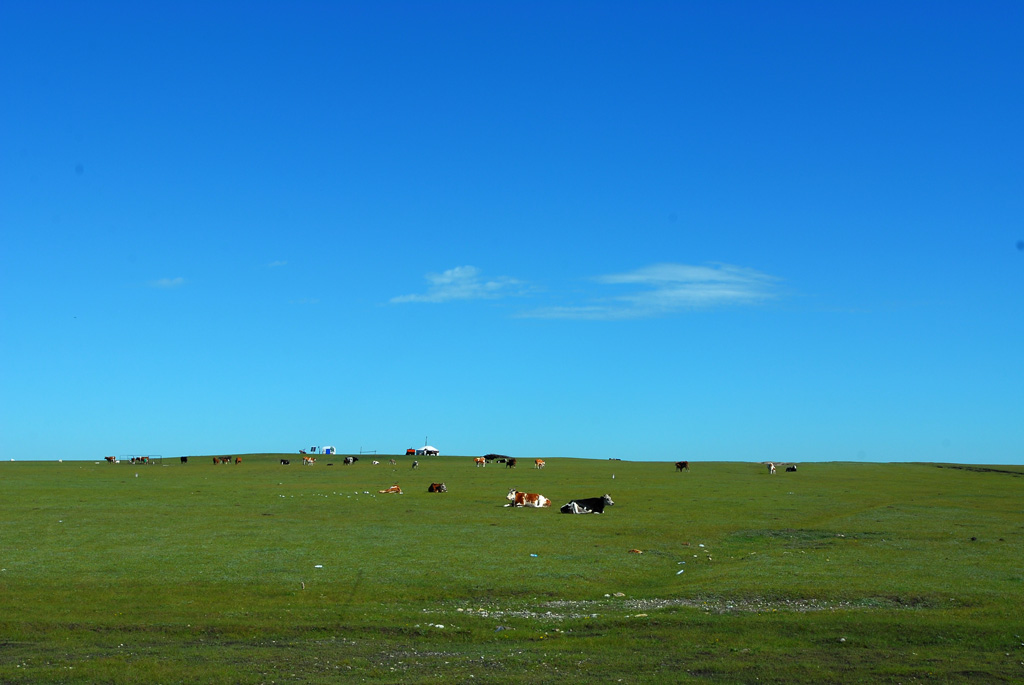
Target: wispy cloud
(275,264)
(656,290)
(668,288)
(166,283)
(463,283)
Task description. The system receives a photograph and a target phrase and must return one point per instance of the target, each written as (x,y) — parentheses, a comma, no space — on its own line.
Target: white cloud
(667,288)
(166,283)
(462,283)
(275,264)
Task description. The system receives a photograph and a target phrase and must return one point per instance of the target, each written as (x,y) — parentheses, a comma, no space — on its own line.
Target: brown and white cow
(238,460)
(437,487)
(480,461)
(771,469)
(393,490)
(538,463)
(308,461)
(526,499)
(111,460)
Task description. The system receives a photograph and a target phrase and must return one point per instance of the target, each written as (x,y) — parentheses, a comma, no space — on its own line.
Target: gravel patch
(560,610)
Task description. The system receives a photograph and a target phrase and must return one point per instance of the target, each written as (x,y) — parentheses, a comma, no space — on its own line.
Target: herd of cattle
(588,505)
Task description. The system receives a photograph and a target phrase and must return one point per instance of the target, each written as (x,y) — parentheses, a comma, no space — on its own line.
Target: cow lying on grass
(590,505)
(437,487)
(393,490)
(526,499)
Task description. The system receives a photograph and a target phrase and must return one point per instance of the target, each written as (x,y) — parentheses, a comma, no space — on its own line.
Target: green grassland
(260,573)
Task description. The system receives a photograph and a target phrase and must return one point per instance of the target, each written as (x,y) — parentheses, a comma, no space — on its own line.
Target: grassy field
(261,573)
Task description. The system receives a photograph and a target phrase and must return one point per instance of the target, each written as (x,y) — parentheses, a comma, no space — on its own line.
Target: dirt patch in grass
(560,610)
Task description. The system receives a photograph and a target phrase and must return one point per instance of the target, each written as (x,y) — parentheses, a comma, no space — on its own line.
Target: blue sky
(704,231)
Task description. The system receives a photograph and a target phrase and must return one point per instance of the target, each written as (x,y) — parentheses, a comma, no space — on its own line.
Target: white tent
(427,450)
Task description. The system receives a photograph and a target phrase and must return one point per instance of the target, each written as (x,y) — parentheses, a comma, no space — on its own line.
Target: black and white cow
(590,505)
(351,460)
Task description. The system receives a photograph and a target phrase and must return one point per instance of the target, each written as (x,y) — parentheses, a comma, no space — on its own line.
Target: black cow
(511,463)
(184,460)
(682,466)
(351,460)
(285,462)
(791,469)
(590,505)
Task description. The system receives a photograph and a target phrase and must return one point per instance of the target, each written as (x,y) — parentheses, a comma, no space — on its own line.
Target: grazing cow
(480,461)
(437,487)
(215,460)
(351,460)
(392,462)
(791,468)
(771,469)
(682,466)
(393,490)
(538,463)
(511,463)
(238,460)
(308,461)
(110,460)
(285,462)
(184,460)
(224,460)
(590,505)
(415,464)
(526,499)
